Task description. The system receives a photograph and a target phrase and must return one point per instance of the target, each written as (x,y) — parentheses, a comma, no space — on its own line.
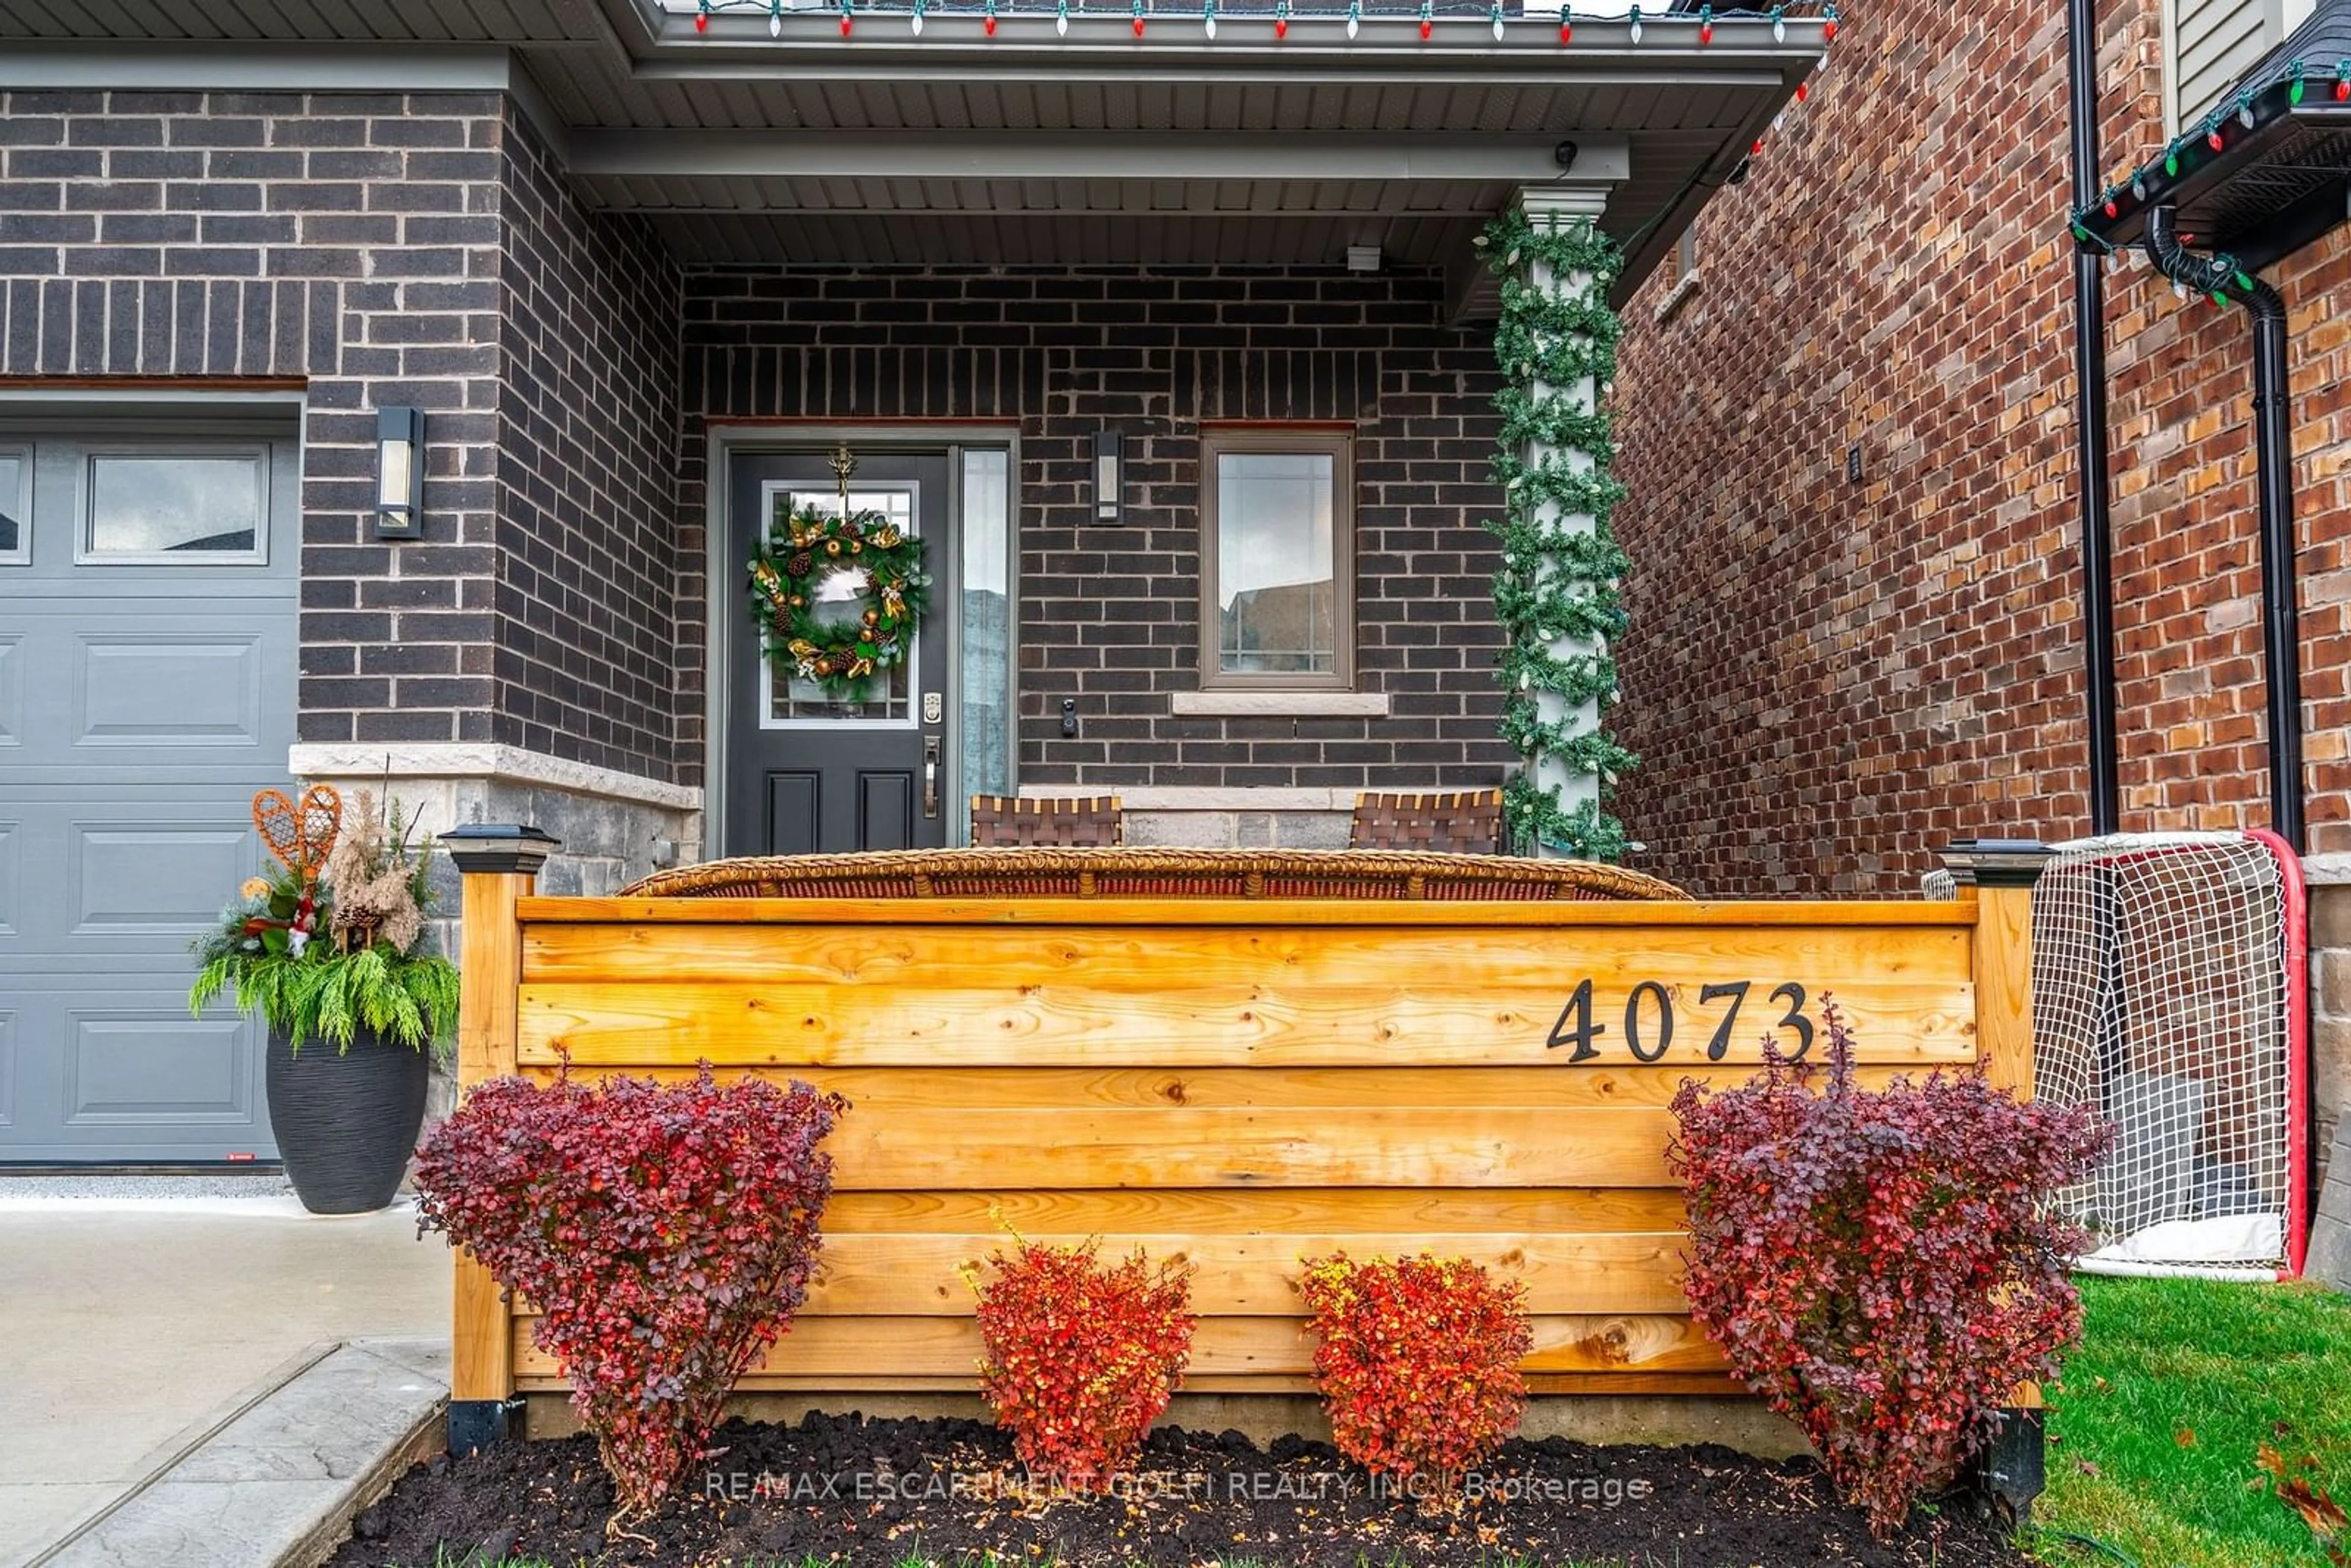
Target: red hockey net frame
(2172,995)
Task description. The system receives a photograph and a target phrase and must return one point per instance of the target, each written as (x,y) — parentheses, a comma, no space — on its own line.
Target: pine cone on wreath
(801,564)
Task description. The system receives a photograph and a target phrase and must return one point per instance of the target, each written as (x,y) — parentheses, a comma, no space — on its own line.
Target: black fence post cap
(1996,863)
(493,847)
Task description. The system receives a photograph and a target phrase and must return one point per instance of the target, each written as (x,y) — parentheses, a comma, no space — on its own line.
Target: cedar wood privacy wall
(1236,1082)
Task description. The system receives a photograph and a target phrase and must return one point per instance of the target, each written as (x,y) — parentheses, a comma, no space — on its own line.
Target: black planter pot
(347,1122)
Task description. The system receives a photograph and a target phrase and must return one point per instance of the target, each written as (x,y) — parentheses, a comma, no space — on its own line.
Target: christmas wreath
(805,545)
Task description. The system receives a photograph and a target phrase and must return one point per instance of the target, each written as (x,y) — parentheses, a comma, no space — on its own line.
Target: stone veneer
(2329,877)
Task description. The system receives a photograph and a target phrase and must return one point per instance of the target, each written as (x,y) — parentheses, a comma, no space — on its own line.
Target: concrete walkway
(131,1330)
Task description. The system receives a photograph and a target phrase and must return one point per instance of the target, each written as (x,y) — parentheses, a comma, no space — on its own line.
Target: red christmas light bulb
(702,21)
(2343,90)
(1427,27)
(1755,151)
(1138,27)
(1282,26)
(2114,209)
(1566,31)
(1828,31)
(2213,141)
(1705,32)
(845,24)
(990,26)
(1804,92)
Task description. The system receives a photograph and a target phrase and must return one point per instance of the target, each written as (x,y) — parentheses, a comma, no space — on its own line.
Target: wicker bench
(1045,873)
(1465,822)
(1002,820)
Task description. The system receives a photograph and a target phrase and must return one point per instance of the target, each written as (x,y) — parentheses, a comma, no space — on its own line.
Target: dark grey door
(147,670)
(810,774)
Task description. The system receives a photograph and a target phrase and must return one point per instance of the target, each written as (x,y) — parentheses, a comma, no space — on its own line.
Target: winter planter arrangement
(330,949)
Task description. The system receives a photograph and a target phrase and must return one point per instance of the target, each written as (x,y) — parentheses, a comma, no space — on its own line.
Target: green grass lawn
(2157,1420)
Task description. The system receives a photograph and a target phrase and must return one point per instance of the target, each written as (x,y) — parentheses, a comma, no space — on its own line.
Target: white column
(1564,204)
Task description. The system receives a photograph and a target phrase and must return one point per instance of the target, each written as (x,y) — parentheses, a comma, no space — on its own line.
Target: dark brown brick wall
(587,413)
(388,250)
(1110,615)
(1827,679)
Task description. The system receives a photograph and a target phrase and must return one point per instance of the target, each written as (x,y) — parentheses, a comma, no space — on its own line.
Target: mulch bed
(852,1491)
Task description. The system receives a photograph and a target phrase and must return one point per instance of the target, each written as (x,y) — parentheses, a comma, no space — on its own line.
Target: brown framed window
(1277,554)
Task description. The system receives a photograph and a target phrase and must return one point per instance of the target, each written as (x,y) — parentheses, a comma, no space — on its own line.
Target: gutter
(2090,436)
(2226,280)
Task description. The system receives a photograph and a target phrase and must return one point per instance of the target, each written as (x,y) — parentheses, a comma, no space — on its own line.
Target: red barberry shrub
(1417,1360)
(665,1233)
(1081,1358)
(1883,1266)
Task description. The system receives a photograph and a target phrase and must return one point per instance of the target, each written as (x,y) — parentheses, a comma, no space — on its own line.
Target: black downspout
(2090,432)
(2221,276)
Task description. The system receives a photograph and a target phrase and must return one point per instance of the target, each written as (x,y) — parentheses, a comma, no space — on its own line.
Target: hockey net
(2168,994)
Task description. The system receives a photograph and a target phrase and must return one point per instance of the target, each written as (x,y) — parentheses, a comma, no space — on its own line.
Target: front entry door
(808,773)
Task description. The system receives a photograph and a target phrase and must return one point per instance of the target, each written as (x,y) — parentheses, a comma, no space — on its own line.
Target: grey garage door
(147,667)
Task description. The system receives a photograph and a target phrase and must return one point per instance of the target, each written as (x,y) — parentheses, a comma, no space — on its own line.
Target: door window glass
(153,505)
(839,597)
(985,727)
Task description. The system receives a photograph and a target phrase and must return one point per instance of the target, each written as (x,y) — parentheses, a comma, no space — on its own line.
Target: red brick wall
(1826,679)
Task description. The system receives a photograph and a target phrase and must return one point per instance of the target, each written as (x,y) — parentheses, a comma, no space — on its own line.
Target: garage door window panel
(16,504)
(158,506)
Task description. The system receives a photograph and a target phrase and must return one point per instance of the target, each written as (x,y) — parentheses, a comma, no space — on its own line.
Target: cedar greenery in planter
(333,942)
(332,947)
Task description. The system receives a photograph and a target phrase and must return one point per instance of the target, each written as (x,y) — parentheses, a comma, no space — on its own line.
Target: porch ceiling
(1037,146)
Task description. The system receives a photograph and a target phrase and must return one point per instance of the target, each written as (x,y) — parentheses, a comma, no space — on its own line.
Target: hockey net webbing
(2161,998)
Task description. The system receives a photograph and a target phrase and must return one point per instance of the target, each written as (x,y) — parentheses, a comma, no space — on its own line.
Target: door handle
(930,776)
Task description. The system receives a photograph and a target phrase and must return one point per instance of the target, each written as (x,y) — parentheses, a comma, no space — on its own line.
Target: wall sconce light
(1110,475)
(399,473)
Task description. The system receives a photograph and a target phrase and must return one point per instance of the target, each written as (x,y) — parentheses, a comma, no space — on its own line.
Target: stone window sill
(1677,297)
(1280,705)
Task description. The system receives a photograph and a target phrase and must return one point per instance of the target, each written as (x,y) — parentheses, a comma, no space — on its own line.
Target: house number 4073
(1647,1021)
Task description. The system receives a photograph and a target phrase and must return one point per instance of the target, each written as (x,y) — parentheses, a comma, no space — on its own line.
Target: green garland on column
(1556,582)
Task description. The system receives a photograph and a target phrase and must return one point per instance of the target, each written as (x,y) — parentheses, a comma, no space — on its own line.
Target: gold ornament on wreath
(805,545)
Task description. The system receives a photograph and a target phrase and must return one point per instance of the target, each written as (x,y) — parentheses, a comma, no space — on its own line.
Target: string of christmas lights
(1280,17)
(2227,123)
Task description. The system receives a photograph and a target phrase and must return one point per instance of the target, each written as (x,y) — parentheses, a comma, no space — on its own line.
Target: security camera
(1565,156)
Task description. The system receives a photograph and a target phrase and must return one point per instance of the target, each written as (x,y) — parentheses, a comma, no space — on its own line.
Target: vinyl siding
(2215,42)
